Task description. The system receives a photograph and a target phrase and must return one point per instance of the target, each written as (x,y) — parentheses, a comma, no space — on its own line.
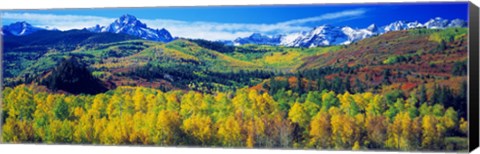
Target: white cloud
(327,16)
(194,29)
(62,22)
(220,31)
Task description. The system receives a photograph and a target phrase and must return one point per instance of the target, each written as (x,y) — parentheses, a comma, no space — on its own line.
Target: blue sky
(228,22)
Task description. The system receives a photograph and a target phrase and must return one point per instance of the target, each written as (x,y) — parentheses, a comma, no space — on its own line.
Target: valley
(402,90)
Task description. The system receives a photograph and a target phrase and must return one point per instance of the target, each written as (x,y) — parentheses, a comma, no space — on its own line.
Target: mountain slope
(206,66)
(24,55)
(62,39)
(377,50)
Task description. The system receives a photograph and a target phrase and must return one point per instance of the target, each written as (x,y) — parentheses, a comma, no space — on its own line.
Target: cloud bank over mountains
(186,29)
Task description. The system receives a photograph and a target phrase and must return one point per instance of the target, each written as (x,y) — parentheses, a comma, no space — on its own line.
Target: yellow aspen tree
(223,107)
(328,100)
(336,122)
(126,127)
(265,104)
(172,102)
(98,127)
(320,130)
(463,126)
(297,114)
(22,105)
(189,104)
(375,107)
(399,136)
(229,132)
(66,131)
(161,101)
(450,118)
(363,100)
(53,136)
(406,135)
(350,131)
(206,104)
(84,131)
(128,105)
(98,107)
(140,131)
(311,108)
(10,131)
(255,128)
(150,120)
(429,129)
(241,102)
(250,132)
(78,112)
(139,100)
(41,119)
(394,133)
(356,146)
(198,126)
(151,102)
(255,131)
(114,106)
(168,125)
(111,134)
(345,101)
(348,104)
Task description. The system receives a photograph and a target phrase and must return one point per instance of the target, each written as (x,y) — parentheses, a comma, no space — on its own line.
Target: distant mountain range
(324,35)
(126,24)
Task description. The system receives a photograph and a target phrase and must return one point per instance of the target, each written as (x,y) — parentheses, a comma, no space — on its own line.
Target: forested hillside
(246,118)
(403,90)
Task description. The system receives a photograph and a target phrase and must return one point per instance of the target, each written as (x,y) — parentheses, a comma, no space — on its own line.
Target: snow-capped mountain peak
(126,18)
(129,24)
(322,29)
(19,29)
(258,38)
(129,20)
(372,28)
(436,23)
(395,26)
(319,36)
(457,23)
(414,24)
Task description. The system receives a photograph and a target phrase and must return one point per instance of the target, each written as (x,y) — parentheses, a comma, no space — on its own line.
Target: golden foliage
(136,115)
